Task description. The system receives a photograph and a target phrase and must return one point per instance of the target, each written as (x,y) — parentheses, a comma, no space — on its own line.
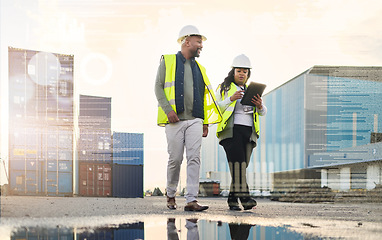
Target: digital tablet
(252,90)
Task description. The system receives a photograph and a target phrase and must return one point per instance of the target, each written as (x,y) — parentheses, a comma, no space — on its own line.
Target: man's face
(195,45)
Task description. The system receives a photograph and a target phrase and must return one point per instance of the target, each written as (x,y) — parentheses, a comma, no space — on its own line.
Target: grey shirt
(188,90)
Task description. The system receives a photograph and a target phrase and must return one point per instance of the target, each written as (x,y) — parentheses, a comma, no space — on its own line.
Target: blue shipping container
(33,233)
(130,231)
(127,181)
(96,234)
(128,148)
(43,179)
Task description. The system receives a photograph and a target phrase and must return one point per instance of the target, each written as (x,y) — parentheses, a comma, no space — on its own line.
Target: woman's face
(241,76)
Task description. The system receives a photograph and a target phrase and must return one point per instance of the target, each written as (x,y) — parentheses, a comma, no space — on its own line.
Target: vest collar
(181,57)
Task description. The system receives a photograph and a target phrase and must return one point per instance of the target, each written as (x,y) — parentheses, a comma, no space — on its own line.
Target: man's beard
(196,53)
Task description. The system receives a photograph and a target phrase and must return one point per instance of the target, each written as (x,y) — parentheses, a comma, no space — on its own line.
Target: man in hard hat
(186,105)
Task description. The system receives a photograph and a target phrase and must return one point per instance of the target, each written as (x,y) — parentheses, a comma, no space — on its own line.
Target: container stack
(127,164)
(94,146)
(40,123)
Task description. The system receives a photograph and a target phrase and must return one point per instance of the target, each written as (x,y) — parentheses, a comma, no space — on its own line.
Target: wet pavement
(148,218)
(171,229)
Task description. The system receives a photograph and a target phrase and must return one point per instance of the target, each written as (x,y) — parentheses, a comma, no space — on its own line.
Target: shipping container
(95,179)
(209,188)
(120,232)
(130,231)
(42,178)
(94,145)
(95,112)
(39,162)
(96,234)
(40,123)
(40,87)
(35,233)
(128,148)
(127,181)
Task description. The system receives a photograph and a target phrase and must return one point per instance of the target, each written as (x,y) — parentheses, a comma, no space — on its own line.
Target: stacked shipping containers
(40,123)
(94,146)
(121,232)
(41,134)
(127,164)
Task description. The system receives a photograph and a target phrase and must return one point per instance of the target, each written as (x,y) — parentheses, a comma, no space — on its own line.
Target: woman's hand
(237,95)
(257,101)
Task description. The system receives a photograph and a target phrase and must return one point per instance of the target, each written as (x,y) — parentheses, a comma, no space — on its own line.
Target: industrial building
(322,127)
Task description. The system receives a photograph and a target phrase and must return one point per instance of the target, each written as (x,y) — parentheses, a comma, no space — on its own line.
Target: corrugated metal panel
(130,231)
(24,182)
(95,106)
(127,180)
(32,233)
(95,179)
(96,234)
(40,123)
(128,148)
(95,145)
(95,112)
(130,157)
(42,181)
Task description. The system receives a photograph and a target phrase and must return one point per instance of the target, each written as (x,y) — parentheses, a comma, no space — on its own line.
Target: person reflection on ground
(172,232)
(239,231)
(192,229)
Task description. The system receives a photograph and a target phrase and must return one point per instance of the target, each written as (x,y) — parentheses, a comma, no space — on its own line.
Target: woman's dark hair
(226,85)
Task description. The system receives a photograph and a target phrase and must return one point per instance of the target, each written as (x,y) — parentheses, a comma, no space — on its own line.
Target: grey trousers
(184,135)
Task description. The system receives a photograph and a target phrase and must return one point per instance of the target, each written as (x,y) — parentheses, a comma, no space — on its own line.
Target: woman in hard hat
(239,129)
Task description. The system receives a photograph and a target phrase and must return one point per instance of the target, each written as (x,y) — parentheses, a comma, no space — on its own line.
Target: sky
(117,45)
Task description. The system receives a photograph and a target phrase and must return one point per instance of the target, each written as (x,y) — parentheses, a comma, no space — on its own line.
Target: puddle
(171,228)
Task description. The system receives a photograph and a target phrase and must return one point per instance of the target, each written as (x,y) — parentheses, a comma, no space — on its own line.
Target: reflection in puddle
(122,231)
(172,229)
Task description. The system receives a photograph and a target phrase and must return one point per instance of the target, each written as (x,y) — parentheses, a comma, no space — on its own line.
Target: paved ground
(349,221)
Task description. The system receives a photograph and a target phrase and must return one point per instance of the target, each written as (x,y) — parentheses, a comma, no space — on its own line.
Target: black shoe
(249,204)
(234,208)
(233,203)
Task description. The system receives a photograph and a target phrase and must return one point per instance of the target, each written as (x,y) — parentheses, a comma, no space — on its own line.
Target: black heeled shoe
(234,208)
(249,204)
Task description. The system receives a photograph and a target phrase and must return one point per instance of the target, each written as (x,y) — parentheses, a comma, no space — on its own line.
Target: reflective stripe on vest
(211,110)
(231,108)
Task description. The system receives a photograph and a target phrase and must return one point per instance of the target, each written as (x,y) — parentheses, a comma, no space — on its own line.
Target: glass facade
(354,111)
(324,109)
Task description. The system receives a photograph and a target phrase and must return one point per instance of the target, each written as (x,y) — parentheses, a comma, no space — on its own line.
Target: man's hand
(205,130)
(172,117)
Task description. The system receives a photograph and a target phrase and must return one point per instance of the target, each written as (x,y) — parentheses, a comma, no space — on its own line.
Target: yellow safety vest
(211,110)
(230,109)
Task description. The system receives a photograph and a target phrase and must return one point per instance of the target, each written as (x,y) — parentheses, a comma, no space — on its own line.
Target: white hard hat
(189,30)
(241,61)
